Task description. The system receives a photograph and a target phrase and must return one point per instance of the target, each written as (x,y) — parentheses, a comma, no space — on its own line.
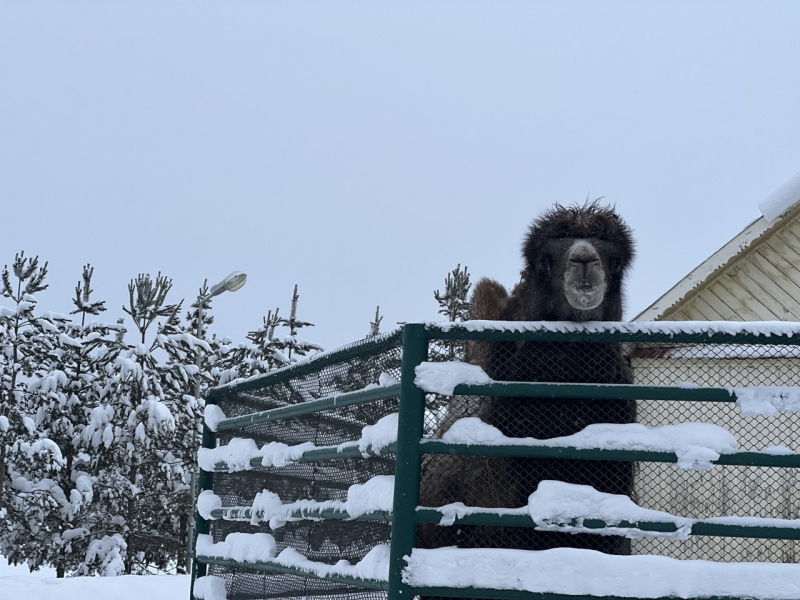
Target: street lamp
(234,281)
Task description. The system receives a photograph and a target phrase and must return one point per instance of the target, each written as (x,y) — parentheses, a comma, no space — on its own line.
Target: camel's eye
(543,265)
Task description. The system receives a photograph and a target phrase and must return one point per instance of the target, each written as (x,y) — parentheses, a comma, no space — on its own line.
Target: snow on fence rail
(401,570)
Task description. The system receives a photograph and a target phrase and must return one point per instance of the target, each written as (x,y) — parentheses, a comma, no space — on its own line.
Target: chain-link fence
(724,490)
(347,370)
(508,481)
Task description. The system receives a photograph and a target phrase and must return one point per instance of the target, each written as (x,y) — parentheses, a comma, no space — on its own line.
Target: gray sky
(363,149)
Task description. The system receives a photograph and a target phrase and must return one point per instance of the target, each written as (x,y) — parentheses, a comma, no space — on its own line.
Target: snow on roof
(781,199)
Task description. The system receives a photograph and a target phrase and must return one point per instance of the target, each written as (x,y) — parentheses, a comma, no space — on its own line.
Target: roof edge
(722,258)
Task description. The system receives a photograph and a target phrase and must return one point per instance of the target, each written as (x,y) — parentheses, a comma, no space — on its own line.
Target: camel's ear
(616,265)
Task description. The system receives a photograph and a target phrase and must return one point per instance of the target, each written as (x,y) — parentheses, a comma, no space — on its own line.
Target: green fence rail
(411,447)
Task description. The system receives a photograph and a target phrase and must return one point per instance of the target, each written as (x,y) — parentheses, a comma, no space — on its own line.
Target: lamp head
(231,283)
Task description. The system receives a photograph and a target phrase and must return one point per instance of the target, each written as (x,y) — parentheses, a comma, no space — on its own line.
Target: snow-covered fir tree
(147,300)
(375,326)
(269,349)
(29,461)
(455,305)
(141,427)
(218,359)
(266,351)
(99,432)
(290,345)
(63,393)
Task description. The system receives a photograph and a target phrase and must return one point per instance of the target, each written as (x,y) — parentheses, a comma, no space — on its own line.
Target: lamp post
(231,283)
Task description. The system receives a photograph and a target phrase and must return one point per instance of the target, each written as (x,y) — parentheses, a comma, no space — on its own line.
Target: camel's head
(576,258)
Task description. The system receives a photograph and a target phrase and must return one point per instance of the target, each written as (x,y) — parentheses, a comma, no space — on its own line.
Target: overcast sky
(363,149)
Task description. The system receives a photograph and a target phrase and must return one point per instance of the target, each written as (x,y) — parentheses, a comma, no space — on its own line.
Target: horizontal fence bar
(611,332)
(525,595)
(245,513)
(274,567)
(774,532)
(429,446)
(312,406)
(432,515)
(604,391)
(324,453)
(747,459)
(328,417)
(314,364)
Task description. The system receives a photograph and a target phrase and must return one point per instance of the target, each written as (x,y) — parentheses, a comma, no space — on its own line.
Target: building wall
(762,285)
(721,491)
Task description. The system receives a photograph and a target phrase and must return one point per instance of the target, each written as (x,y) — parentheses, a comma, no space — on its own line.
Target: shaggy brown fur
(590,221)
(577,250)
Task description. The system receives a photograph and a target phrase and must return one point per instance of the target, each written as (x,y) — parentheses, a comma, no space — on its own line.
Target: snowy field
(17,582)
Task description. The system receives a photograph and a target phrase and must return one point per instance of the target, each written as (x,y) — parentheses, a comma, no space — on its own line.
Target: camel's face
(584,277)
(576,276)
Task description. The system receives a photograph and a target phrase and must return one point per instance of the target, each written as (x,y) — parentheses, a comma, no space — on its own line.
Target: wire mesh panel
(724,490)
(326,541)
(508,481)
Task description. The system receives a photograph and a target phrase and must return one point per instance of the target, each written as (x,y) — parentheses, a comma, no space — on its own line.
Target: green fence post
(407,469)
(205,481)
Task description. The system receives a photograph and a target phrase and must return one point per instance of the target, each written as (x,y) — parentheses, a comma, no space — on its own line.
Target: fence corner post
(205,481)
(407,468)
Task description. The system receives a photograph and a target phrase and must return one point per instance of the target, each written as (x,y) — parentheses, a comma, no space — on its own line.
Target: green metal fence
(324,401)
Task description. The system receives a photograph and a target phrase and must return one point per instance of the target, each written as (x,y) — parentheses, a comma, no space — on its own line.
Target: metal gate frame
(410,447)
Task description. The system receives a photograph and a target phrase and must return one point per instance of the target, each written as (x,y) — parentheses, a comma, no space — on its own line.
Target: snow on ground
(17,582)
(7,570)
